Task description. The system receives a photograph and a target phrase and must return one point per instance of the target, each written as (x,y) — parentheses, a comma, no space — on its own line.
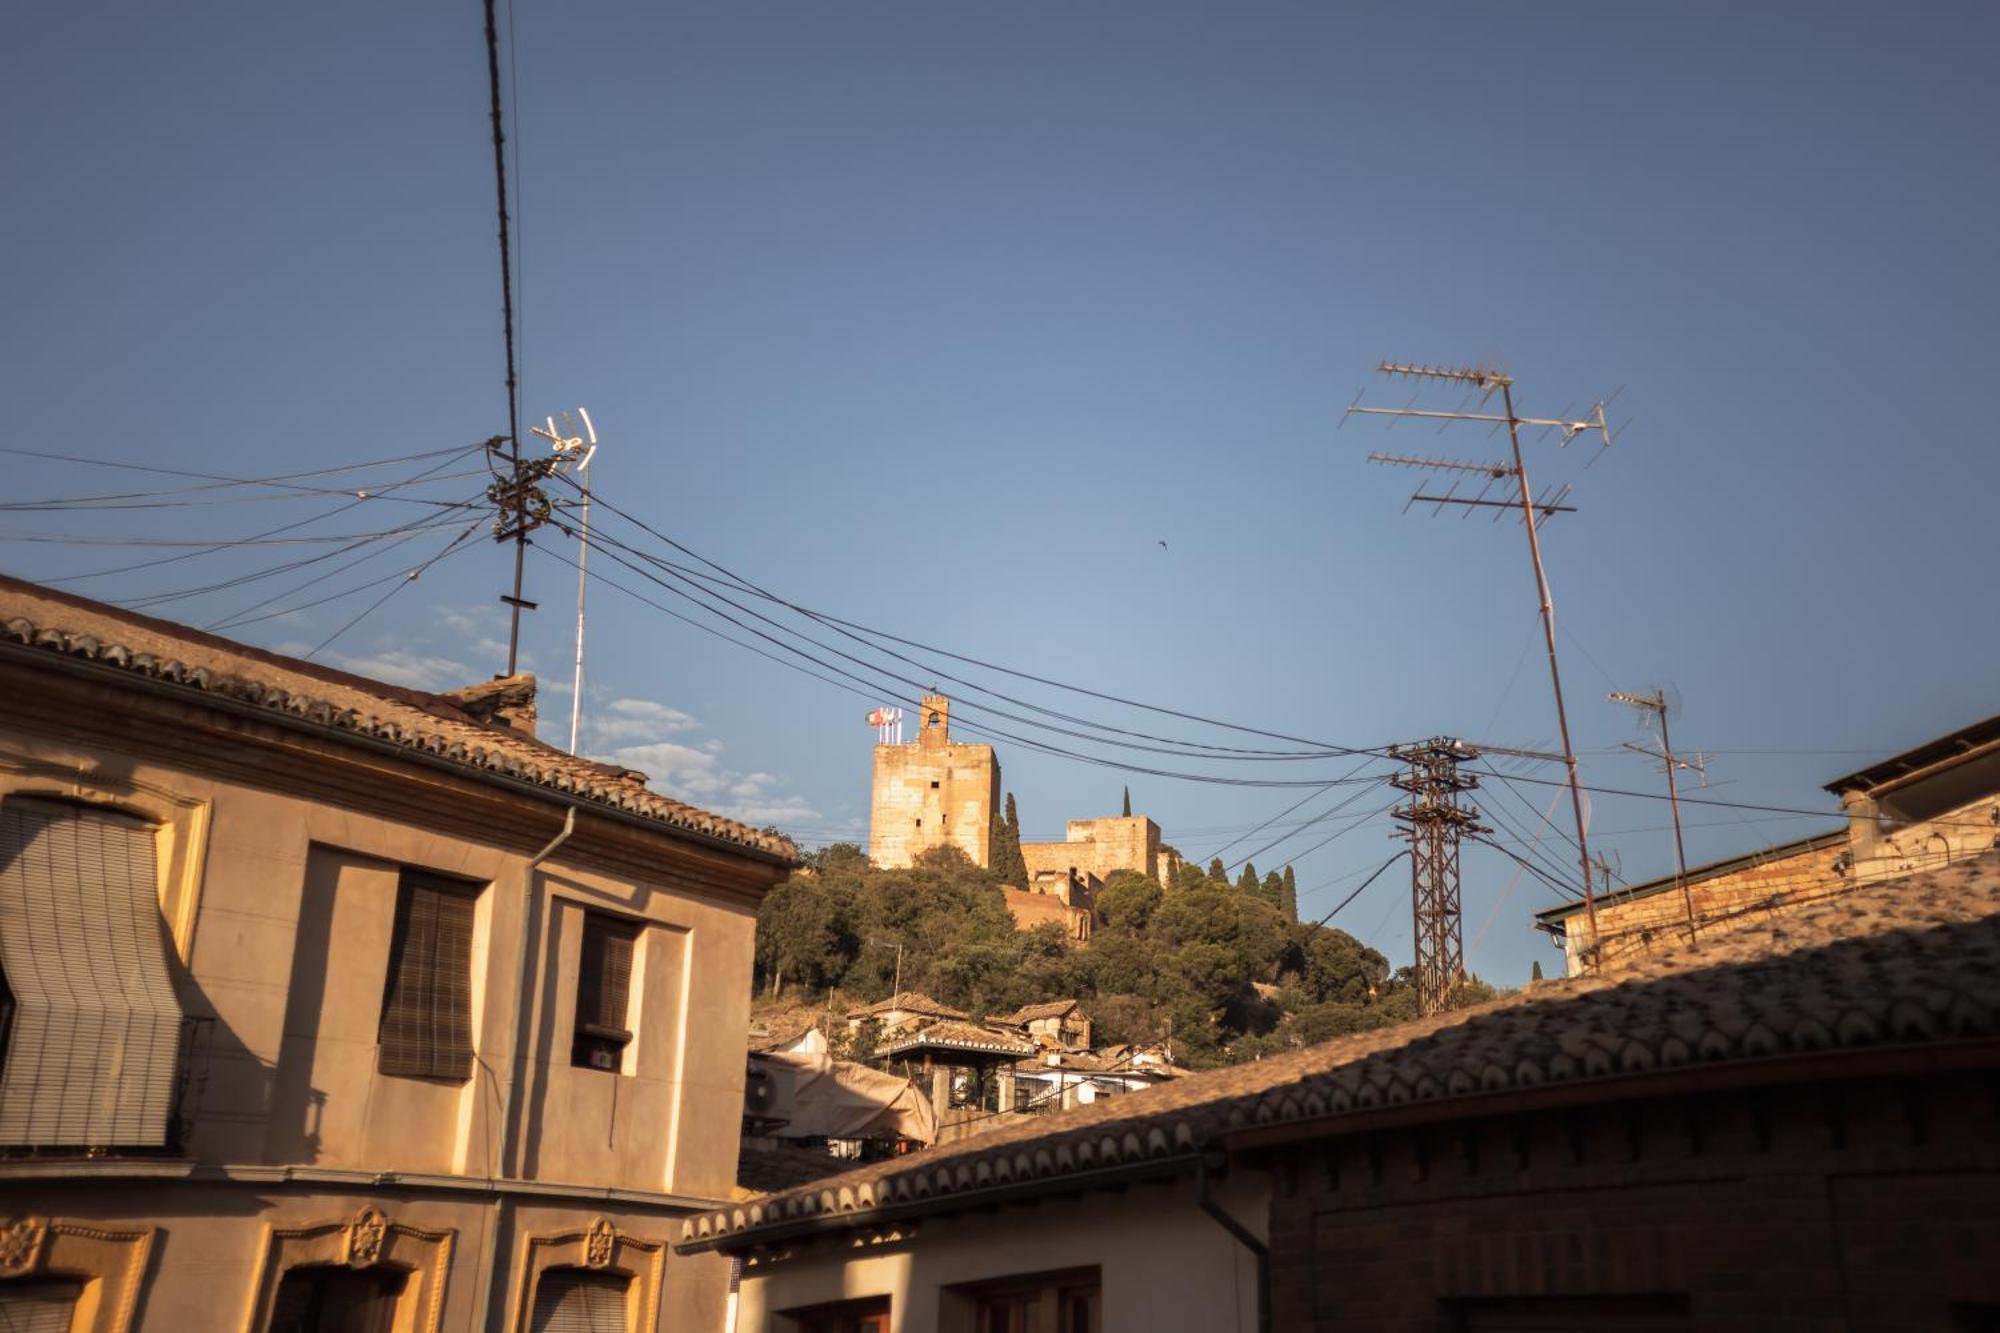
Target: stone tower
(933,792)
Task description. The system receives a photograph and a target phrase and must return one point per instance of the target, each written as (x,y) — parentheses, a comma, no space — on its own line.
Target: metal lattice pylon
(1434,819)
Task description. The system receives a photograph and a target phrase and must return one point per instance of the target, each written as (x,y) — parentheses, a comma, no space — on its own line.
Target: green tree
(1288,903)
(1128,803)
(1127,901)
(1218,872)
(1247,882)
(1536,973)
(1008,865)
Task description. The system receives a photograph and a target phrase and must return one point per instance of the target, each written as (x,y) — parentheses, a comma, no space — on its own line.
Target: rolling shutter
(38,1306)
(603,992)
(95,1034)
(427,1008)
(575,1300)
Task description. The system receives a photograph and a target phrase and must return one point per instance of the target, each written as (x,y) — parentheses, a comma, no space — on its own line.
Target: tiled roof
(1907,963)
(910,1001)
(955,1036)
(1028,1013)
(767,1170)
(41,620)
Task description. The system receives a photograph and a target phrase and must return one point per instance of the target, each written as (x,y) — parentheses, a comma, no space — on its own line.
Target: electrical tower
(1434,820)
(1534,509)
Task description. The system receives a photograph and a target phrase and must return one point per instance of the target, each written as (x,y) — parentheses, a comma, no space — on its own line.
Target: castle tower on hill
(933,792)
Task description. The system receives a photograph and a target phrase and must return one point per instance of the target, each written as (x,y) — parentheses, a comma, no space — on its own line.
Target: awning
(95,1032)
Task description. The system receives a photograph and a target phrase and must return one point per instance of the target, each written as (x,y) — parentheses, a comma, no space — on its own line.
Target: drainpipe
(517,1060)
(1243,1236)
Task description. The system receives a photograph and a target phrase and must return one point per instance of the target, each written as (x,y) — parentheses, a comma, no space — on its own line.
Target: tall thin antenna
(1656,706)
(577,451)
(514,490)
(1535,510)
(1434,819)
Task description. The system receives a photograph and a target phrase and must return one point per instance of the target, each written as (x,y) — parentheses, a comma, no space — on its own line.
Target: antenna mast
(1434,820)
(1656,705)
(1535,510)
(577,450)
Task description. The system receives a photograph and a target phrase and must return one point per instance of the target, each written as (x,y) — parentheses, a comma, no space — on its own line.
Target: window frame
(590,1035)
(452,1060)
(976,1302)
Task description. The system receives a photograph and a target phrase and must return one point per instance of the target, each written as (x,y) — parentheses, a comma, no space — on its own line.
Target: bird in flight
(1163,546)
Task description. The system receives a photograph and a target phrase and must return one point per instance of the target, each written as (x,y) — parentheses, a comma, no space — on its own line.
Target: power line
(404,582)
(1328,813)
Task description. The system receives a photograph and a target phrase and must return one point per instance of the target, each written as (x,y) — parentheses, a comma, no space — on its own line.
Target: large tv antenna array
(1535,508)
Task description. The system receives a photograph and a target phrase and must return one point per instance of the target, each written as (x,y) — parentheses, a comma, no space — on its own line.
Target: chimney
(506,701)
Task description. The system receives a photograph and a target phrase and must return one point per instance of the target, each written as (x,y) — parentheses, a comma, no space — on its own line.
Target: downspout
(1243,1236)
(517,1061)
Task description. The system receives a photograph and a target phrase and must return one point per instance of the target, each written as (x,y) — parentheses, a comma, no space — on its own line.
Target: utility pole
(521,506)
(1534,510)
(1656,705)
(1434,820)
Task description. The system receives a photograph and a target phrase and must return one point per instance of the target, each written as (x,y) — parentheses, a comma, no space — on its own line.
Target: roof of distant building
(1552,918)
(1912,963)
(1028,1013)
(909,1001)
(950,1035)
(1965,743)
(459,731)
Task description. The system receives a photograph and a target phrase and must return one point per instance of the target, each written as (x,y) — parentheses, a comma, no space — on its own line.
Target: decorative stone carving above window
(367,1239)
(111,1265)
(599,1247)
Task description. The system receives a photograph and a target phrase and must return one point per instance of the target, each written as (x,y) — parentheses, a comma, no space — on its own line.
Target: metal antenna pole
(1656,704)
(1534,510)
(582,574)
(1555,671)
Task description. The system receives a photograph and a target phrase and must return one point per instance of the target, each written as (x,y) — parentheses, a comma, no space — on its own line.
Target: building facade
(335,1005)
(1092,849)
(933,792)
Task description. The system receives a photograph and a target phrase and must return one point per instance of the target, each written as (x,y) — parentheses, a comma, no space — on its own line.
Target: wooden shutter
(94,1039)
(426,1027)
(38,1306)
(575,1300)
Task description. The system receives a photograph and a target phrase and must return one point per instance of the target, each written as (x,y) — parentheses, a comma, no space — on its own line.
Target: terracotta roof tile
(1028,1013)
(915,1002)
(43,620)
(950,1035)
(1913,961)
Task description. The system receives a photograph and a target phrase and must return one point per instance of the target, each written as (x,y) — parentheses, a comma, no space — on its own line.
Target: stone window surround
(599,1248)
(112,1265)
(365,1240)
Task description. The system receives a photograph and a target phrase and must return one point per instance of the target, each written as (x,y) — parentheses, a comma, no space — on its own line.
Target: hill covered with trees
(1220,967)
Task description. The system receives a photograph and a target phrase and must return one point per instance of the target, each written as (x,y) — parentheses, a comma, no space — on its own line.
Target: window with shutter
(325,1298)
(577,1300)
(36,1305)
(92,1041)
(426,1027)
(604,992)
(1064,1302)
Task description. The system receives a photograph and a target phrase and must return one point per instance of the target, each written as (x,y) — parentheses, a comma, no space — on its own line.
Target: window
(427,1004)
(92,1036)
(38,1305)
(578,1300)
(333,1298)
(1067,1302)
(603,993)
(934,784)
(865,1316)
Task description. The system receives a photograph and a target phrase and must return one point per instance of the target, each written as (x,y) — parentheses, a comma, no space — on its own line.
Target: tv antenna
(575,451)
(1655,707)
(1535,509)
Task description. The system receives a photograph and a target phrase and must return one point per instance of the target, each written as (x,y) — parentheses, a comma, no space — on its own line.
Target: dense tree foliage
(1219,968)
(1008,865)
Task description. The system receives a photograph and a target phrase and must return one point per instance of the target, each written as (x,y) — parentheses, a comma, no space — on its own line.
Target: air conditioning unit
(770,1092)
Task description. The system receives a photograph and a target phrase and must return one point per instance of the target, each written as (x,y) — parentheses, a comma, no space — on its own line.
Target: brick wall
(1858,1207)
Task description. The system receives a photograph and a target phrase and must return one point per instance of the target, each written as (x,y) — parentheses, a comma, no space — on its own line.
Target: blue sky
(943,318)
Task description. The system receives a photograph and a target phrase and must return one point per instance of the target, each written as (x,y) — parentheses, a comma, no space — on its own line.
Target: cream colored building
(341,1006)
(933,792)
(1092,849)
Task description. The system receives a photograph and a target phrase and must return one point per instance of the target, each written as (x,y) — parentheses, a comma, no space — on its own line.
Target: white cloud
(419,671)
(633,734)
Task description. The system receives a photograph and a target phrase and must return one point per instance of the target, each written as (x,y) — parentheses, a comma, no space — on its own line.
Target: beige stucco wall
(286,919)
(1163,1263)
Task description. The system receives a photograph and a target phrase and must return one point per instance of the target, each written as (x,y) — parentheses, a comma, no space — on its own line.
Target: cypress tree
(1272,890)
(1007,861)
(1219,872)
(1248,881)
(1128,802)
(1289,903)
(1536,975)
